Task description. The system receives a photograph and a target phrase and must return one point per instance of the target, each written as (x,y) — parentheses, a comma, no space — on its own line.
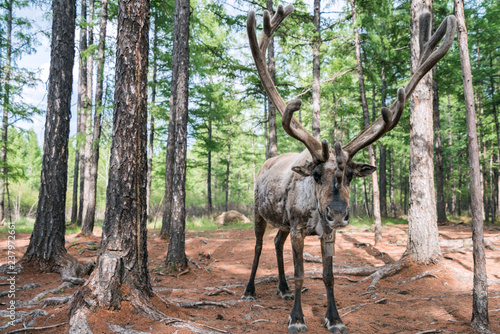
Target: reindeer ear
(306,169)
(362,170)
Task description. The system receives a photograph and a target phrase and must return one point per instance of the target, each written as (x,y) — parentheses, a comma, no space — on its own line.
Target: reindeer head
(333,170)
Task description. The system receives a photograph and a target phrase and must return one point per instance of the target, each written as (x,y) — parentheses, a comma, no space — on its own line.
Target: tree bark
(91,192)
(423,237)
(46,248)
(480,319)
(383,151)
(440,203)
(152,118)
(316,85)
(497,130)
(122,273)
(273,139)
(176,256)
(6,105)
(383,180)
(366,117)
(76,211)
(209,167)
(87,221)
(228,167)
(453,198)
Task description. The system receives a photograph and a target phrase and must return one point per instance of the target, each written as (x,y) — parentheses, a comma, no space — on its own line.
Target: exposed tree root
(22,330)
(64,264)
(74,280)
(85,302)
(22,316)
(37,300)
(24,287)
(422,275)
(88,243)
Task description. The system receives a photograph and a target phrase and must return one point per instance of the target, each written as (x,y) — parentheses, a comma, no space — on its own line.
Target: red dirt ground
(225,257)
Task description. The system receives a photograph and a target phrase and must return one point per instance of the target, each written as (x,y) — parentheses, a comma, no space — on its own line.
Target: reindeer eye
(317,177)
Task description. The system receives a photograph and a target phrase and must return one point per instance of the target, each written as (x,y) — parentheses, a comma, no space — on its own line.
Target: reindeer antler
(428,58)
(319,151)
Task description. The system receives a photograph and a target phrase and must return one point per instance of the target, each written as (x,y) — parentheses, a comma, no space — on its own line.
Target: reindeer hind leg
(283,290)
(260,228)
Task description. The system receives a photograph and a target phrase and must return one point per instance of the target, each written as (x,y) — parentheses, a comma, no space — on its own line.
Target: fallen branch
(422,275)
(370,249)
(433,331)
(191,304)
(36,328)
(219,291)
(194,262)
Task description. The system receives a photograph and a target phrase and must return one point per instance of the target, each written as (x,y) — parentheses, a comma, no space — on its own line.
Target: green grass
(25,225)
(367,222)
(205,223)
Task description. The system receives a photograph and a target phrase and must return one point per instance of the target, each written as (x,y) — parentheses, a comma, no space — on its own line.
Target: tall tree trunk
(6,105)
(497,130)
(209,167)
(46,248)
(273,139)
(392,206)
(266,126)
(228,168)
(366,117)
(316,85)
(152,118)
(383,180)
(453,198)
(122,272)
(90,205)
(176,256)
(83,105)
(87,221)
(82,92)
(480,319)
(423,235)
(383,151)
(440,203)
(459,204)
(170,156)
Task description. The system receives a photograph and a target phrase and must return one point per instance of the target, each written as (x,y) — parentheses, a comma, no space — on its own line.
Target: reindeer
(307,193)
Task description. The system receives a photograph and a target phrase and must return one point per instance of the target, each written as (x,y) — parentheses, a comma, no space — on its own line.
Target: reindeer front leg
(332,317)
(296,321)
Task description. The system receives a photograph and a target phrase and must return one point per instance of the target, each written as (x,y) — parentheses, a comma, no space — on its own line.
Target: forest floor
(208,294)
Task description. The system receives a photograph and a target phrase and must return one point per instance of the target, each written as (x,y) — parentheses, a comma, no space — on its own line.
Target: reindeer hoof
(247,297)
(297,327)
(288,295)
(335,328)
